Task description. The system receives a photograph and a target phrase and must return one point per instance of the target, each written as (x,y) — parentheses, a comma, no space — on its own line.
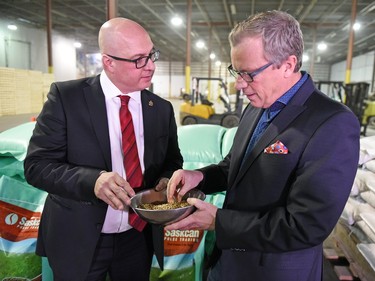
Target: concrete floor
(7,122)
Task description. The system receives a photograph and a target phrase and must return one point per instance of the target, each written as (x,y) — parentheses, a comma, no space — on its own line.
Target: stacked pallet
(7,91)
(355,231)
(23,91)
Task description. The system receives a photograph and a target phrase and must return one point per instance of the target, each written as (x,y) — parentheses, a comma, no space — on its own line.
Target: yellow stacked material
(22,91)
(7,91)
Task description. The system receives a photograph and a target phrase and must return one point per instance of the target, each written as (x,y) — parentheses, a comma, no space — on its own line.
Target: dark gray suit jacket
(279,208)
(69,147)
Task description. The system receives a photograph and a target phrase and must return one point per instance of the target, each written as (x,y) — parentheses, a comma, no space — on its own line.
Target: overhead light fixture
(218,63)
(332,34)
(176,21)
(212,56)
(12,27)
(77,45)
(322,46)
(305,58)
(356,26)
(233,9)
(200,44)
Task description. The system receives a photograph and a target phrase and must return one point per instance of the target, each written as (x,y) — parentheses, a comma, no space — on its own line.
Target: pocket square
(276,148)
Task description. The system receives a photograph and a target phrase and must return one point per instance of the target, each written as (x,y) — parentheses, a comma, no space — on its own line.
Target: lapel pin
(150,103)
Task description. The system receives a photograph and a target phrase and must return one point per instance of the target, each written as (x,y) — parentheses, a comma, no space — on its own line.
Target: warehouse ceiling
(211,20)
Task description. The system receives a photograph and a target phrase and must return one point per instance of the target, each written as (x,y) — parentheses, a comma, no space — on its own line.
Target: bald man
(75,154)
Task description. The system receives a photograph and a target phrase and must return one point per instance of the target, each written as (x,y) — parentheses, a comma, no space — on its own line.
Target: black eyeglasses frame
(153,55)
(247,76)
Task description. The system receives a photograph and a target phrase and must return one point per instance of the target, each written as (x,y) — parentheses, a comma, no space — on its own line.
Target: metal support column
(49,36)
(111,9)
(351,43)
(188,46)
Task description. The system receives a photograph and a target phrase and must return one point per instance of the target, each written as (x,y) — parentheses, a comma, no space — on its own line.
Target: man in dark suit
(75,154)
(290,169)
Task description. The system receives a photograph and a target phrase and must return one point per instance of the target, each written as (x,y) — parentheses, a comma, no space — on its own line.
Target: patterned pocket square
(276,148)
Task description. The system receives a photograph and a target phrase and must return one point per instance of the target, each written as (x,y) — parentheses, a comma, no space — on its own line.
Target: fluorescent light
(233,9)
(200,44)
(176,21)
(12,27)
(322,46)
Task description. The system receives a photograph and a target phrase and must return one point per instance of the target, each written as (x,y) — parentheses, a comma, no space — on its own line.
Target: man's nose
(150,65)
(240,83)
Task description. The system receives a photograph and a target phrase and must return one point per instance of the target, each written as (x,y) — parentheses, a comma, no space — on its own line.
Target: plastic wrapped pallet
(20,208)
(20,211)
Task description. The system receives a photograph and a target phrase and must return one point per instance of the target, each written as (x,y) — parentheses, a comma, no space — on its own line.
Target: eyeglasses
(247,76)
(141,61)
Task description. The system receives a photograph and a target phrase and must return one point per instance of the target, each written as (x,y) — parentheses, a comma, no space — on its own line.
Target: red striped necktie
(131,160)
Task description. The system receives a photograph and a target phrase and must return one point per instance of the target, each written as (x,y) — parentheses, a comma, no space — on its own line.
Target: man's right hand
(181,182)
(114,190)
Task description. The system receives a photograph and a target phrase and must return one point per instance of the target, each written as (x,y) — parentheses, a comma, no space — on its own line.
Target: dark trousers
(123,256)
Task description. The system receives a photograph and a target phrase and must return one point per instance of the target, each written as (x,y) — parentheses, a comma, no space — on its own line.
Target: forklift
(363,105)
(355,96)
(197,109)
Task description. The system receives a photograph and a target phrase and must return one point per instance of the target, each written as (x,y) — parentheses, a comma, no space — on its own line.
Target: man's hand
(181,182)
(202,219)
(162,184)
(114,190)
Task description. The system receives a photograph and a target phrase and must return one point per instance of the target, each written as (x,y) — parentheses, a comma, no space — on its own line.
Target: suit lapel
(98,114)
(294,108)
(249,120)
(149,114)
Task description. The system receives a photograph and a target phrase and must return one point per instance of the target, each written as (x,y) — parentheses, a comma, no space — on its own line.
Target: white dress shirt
(116,220)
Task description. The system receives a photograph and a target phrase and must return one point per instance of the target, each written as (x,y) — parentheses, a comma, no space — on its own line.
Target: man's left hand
(202,219)
(162,184)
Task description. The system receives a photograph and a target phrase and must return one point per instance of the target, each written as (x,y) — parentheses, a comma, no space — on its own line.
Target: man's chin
(146,81)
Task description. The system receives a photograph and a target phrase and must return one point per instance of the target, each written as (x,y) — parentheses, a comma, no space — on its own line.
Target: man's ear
(290,65)
(107,62)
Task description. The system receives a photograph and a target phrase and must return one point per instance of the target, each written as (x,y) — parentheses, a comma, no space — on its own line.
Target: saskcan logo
(17,223)
(181,241)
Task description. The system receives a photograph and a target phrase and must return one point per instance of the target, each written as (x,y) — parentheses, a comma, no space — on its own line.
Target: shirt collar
(294,89)
(279,104)
(111,91)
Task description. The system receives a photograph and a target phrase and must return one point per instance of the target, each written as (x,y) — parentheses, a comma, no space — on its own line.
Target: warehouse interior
(56,40)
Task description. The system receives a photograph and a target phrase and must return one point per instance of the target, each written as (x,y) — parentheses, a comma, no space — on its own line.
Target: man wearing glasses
(77,155)
(290,169)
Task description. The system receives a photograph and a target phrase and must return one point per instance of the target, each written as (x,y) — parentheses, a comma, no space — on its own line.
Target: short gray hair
(280,32)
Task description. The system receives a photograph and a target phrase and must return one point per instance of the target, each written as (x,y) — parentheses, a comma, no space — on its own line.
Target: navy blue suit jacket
(279,208)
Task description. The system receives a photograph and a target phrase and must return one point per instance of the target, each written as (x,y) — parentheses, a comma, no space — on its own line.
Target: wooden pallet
(342,243)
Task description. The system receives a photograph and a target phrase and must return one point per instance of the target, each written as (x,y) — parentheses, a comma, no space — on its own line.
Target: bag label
(181,241)
(17,223)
